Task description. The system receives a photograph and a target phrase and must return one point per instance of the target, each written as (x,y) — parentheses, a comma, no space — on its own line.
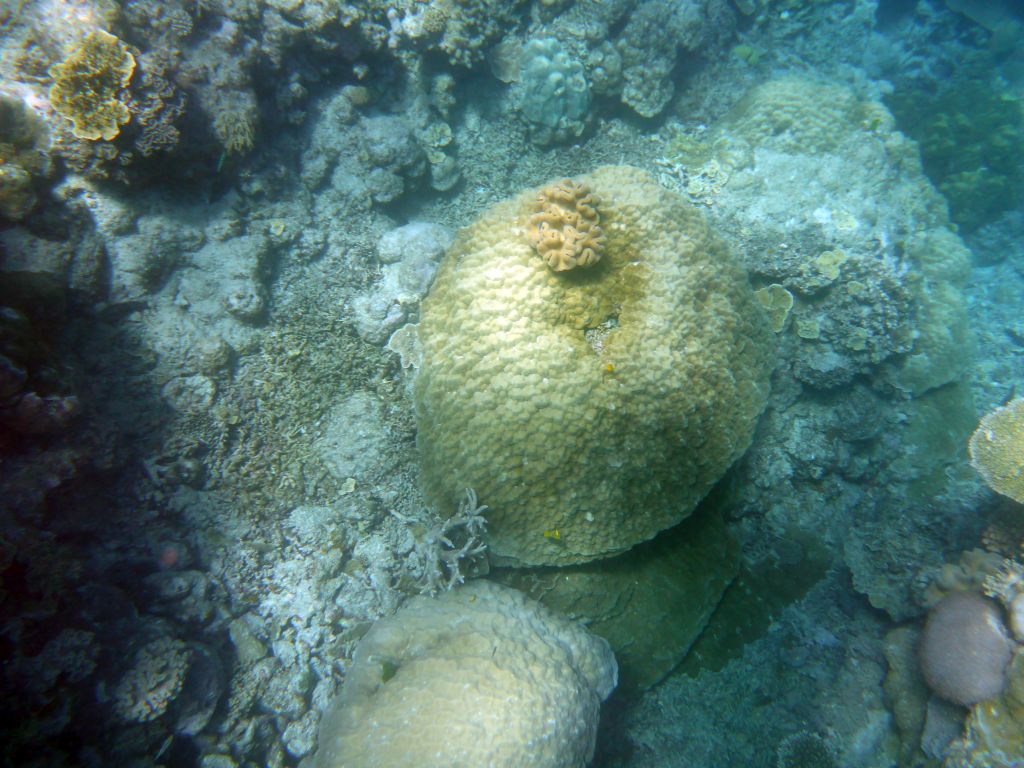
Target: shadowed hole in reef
(756,597)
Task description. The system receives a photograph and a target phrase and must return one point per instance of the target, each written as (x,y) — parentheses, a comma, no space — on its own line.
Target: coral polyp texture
(87,86)
(965,649)
(997,449)
(799,113)
(478,676)
(566,231)
(590,409)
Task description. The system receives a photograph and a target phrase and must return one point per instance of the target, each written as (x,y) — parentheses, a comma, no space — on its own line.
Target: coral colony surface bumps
(589,408)
(480,676)
(997,449)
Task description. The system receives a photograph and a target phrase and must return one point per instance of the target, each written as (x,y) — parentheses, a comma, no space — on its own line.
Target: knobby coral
(87,86)
(480,675)
(997,449)
(965,649)
(589,410)
(566,232)
(778,302)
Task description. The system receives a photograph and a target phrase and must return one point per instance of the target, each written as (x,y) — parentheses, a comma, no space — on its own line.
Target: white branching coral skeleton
(447,552)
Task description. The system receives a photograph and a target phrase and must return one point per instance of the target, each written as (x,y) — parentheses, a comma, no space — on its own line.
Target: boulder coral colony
(512,382)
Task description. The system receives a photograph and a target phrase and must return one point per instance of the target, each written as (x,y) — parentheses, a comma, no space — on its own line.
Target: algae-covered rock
(593,408)
(651,603)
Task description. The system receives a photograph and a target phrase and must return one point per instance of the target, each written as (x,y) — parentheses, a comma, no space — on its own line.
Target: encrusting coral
(997,449)
(778,302)
(566,232)
(87,85)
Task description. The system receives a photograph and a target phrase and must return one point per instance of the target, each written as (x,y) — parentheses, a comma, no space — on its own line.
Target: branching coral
(997,449)
(87,85)
(566,232)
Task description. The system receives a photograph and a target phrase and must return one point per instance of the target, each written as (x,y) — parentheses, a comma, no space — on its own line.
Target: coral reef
(88,84)
(480,675)
(973,570)
(965,649)
(649,45)
(566,231)
(553,94)
(968,132)
(602,407)
(461,30)
(24,161)
(997,449)
(243,447)
(845,257)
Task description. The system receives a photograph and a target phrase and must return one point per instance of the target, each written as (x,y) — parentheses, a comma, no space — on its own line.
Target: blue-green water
(626,383)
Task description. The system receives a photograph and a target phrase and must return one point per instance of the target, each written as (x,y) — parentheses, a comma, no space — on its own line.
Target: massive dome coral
(590,409)
(479,676)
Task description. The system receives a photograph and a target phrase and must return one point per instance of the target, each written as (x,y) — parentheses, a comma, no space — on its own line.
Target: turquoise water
(625,383)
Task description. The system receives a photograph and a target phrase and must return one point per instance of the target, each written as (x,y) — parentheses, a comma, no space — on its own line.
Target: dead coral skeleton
(447,550)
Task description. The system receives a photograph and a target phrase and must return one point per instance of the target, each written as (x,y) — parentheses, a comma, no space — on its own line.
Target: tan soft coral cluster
(566,231)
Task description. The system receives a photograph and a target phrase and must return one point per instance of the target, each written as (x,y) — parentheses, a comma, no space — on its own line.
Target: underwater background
(626,383)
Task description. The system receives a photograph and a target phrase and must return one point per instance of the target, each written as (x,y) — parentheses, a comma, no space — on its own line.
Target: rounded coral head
(86,86)
(965,649)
